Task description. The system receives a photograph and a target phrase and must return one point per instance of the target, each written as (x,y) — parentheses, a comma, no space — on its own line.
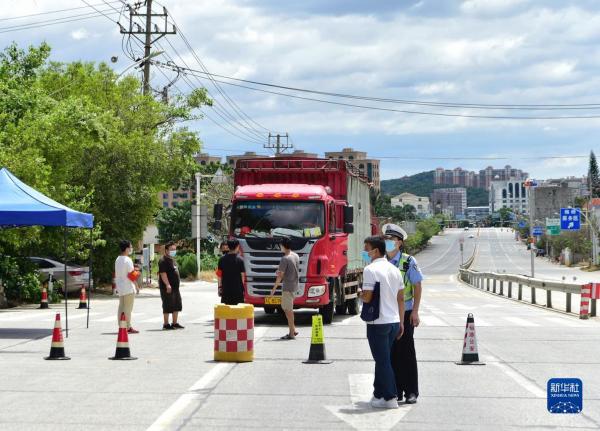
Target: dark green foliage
(594,176)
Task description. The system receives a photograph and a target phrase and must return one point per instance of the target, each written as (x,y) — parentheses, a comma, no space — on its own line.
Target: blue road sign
(570,218)
(522,224)
(538,231)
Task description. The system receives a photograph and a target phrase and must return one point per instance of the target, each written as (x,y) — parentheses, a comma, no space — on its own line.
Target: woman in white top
(126,288)
(382,332)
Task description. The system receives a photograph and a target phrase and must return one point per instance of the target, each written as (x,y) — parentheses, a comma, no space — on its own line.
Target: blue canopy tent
(21,205)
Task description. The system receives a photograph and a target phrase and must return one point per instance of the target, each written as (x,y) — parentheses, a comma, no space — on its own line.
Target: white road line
(170,417)
(462,306)
(432,321)
(108,319)
(561,321)
(520,322)
(521,380)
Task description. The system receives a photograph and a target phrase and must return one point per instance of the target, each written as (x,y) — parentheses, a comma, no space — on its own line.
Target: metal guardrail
(502,284)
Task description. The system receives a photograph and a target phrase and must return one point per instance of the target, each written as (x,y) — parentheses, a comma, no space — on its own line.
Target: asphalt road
(175,384)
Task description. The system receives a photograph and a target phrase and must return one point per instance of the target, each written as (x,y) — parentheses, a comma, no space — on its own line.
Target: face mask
(172,253)
(390,245)
(365,256)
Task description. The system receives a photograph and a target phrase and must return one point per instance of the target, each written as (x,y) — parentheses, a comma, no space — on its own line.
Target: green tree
(175,224)
(93,143)
(594,176)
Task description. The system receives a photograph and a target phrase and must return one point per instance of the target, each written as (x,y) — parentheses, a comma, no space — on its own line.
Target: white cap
(394,230)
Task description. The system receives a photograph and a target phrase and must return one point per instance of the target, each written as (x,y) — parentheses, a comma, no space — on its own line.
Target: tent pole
(90,277)
(65,282)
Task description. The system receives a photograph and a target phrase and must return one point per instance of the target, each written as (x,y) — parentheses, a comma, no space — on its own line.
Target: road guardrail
(502,284)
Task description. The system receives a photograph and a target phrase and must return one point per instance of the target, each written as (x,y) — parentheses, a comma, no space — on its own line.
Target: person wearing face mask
(404,357)
(125,280)
(169,286)
(231,273)
(287,276)
(388,326)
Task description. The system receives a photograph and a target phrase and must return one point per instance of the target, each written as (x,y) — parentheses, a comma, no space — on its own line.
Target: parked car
(466,227)
(471,236)
(77,276)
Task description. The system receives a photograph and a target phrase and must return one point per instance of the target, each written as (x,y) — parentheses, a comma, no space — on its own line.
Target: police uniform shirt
(414,275)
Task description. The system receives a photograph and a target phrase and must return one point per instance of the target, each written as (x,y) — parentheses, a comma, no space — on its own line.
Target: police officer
(404,357)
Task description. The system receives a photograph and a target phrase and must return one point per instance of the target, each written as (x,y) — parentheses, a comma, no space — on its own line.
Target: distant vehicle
(540,252)
(77,276)
(466,227)
(471,236)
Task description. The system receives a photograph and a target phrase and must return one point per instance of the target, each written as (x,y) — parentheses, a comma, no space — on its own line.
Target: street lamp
(217,178)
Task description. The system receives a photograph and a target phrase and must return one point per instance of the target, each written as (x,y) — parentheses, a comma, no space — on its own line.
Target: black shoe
(167,326)
(177,326)
(411,399)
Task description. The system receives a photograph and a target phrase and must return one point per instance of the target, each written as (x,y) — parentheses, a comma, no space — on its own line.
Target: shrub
(187,265)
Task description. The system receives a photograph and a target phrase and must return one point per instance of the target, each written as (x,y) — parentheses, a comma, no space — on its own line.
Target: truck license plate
(273,300)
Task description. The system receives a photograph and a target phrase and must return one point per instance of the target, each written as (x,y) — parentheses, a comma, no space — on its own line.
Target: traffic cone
(57,348)
(122,351)
(316,355)
(44,301)
(82,299)
(470,355)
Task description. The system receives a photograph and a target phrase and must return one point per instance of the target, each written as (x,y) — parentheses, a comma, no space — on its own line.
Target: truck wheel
(340,309)
(269,310)
(353,306)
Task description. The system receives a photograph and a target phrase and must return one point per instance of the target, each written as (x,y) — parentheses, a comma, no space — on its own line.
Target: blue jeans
(381,339)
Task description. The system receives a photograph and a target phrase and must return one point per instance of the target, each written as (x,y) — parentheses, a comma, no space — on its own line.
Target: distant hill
(421,184)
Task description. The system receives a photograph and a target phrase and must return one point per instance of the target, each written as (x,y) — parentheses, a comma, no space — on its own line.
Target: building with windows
(450,201)
(205,159)
(420,203)
(483,179)
(476,214)
(509,194)
(232,160)
(367,167)
(173,198)
(551,195)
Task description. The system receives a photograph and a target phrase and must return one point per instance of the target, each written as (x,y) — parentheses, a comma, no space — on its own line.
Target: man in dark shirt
(169,286)
(231,272)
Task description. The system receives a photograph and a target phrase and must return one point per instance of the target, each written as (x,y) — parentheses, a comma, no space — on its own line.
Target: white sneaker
(391,404)
(377,403)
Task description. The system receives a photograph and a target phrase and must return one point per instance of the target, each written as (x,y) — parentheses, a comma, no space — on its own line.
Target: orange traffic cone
(470,355)
(57,348)
(44,301)
(122,351)
(82,299)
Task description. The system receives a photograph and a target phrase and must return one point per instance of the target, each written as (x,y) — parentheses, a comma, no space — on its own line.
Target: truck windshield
(265,219)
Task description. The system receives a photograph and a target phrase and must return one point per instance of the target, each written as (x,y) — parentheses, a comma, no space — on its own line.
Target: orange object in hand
(219,273)
(133,275)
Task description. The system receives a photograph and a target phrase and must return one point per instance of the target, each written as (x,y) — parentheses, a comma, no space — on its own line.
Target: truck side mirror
(348,228)
(348,215)
(218,211)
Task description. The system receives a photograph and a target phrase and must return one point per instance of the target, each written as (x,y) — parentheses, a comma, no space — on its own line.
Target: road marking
(432,321)
(174,415)
(462,306)
(521,380)
(81,316)
(565,322)
(360,415)
(520,322)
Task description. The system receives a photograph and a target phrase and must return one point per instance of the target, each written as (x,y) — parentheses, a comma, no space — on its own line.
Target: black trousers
(404,361)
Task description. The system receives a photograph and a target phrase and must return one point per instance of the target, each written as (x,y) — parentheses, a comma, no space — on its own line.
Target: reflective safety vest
(403,265)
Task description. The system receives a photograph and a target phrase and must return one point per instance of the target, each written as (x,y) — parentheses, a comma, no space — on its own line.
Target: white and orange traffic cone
(57,348)
(44,301)
(470,355)
(82,299)
(122,352)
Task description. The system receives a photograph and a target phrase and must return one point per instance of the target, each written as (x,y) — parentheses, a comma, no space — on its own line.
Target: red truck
(324,207)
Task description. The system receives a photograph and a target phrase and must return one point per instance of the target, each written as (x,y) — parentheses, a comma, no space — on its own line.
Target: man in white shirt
(126,287)
(388,327)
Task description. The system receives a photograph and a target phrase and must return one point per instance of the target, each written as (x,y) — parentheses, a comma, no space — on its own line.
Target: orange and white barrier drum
(234,333)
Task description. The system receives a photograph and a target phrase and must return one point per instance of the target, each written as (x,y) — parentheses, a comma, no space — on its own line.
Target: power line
(413,102)
(403,111)
(55,11)
(46,23)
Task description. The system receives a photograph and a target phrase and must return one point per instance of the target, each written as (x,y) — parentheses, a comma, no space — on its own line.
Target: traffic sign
(522,224)
(552,221)
(570,218)
(538,231)
(553,230)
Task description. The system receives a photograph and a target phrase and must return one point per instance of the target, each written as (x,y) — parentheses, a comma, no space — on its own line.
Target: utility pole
(149,31)
(278,146)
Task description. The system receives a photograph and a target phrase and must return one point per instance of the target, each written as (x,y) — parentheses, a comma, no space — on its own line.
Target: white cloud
(490,7)
(435,88)
(80,34)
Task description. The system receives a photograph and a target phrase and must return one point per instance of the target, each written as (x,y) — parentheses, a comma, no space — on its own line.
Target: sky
(494,52)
